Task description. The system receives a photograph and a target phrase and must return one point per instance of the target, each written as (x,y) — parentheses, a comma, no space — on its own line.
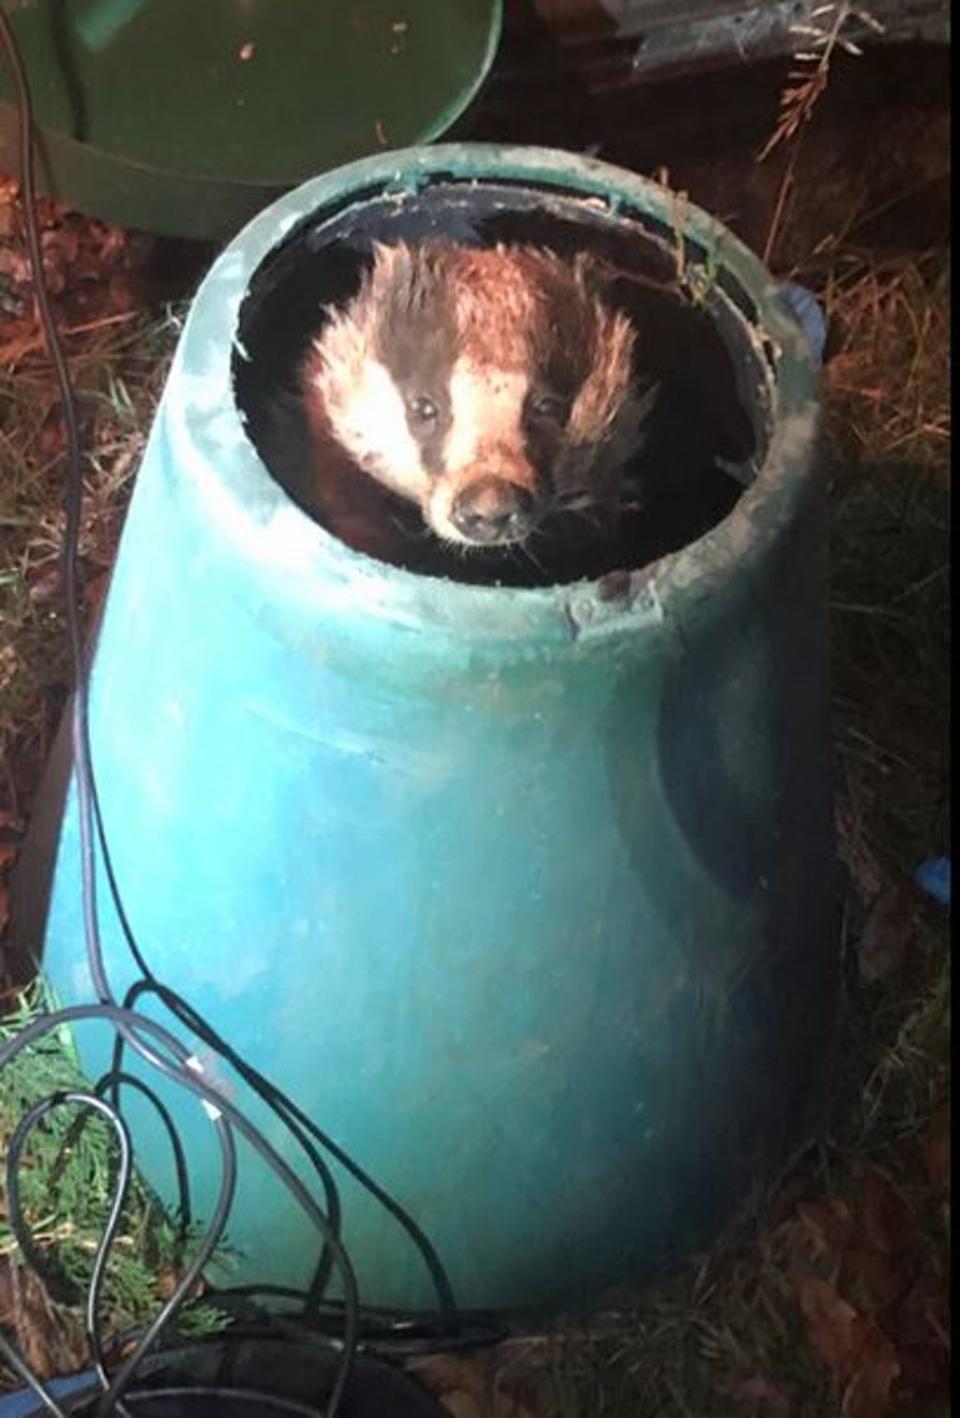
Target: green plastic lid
(186,118)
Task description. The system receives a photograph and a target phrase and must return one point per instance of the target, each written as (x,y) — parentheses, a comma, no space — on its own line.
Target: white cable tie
(212,1113)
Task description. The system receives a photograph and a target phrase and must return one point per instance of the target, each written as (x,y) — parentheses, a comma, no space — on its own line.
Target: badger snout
(493,510)
(492,387)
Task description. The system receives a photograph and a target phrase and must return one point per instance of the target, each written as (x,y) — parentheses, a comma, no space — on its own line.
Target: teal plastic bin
(524,893)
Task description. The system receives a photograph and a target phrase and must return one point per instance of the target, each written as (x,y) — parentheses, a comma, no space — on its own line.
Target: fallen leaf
(854,1348)
(47,585)
(936,1152)
(48,1337)
(870,1391)
(884,1216)
(886,934)
(829,1226)
(862,863)
(833,1326)
(9,665)
(460,1404)
(922,1333)
(450,1375)
(473,1387)
(19,336)
(94,591)
(7,1299)
(506,1405)
(869,1278)
(762,1399)
(52,438)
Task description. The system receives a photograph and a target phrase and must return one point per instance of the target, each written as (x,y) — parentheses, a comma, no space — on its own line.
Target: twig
(27,344)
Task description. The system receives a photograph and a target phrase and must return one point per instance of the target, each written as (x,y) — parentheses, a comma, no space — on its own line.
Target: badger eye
(423,409)
(548,406)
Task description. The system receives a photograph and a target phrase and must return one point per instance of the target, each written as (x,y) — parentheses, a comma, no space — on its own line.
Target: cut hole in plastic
(703,424)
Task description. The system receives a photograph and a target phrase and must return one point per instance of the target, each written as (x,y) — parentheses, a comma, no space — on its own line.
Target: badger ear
(391,262)
(593,275)
(607,389)
(629,432)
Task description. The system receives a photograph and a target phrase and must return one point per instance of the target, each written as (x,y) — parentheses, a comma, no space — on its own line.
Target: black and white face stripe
(415,338)
(435,386)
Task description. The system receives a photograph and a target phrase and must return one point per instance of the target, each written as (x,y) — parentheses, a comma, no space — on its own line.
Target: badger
(491,389)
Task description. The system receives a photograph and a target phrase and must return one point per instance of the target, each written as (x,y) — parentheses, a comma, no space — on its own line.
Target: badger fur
(490,388)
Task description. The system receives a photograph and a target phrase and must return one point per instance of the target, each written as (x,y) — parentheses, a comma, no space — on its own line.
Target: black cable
(185,1069)
(141,1033)
(85,794)
(126,1372)
(89,809)
(71,1138)
(264,1403)
(281,1108)
(392,1334)
(90,818)
(113,1081)
(73,511)
(90,1103)
(299,1122)
(86,800)
(37,1029)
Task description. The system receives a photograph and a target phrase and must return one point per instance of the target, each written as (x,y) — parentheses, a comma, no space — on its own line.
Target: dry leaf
(869,1392)
(460,1404)
(48,1337)
(833,1326)
(762,1399)
(52,438)
(450,1376)
(505,1405)
(886,935)
(922,1332)
(854,1348)
(869,1278)
(865,870)
(8,855)
(94,591)
(9,666)
(936,1152)
(829,1226)
(47,585)
(470,1387)
(884,1218)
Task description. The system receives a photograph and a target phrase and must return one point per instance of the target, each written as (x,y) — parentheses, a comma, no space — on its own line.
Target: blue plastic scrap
(933,877)
(23,1403)
(806,308)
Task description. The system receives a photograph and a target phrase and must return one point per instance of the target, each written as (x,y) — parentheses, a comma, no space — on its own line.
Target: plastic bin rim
(309,569)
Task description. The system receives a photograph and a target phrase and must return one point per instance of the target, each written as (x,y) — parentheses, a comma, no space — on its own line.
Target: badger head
(493,387)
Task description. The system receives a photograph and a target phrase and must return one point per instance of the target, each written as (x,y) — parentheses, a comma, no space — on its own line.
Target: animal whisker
(465,378)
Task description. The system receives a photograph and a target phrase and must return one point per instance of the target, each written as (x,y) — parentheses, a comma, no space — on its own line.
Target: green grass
(67,1176)
(118,369)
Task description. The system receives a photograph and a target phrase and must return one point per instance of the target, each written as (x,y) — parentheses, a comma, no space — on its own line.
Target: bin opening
(706,436)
